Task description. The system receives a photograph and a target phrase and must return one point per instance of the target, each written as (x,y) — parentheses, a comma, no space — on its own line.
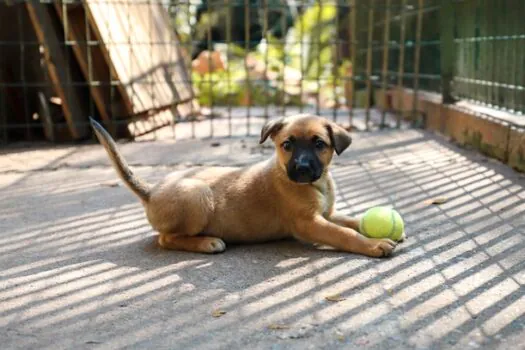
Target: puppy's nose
(303,167)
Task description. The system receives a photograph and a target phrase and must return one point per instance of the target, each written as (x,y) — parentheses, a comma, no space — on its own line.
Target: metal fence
(484,55)
(490,53)
(247,58)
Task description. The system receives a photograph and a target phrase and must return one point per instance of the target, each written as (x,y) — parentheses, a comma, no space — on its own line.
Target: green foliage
(230,87)
(308,47)
(311,40)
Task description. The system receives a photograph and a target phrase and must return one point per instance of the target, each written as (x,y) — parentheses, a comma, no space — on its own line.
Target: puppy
(290,194)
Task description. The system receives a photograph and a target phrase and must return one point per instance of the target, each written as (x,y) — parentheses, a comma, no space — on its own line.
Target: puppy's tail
(135,184)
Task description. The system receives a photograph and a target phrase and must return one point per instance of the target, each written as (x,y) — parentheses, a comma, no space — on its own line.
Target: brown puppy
(290,194)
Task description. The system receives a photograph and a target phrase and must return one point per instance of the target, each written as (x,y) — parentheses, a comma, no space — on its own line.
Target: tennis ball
(382,222)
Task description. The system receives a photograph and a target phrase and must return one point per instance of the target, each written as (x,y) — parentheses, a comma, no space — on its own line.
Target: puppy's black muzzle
(305,167)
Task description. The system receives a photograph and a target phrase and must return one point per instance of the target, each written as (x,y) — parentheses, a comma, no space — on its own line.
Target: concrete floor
(80,269)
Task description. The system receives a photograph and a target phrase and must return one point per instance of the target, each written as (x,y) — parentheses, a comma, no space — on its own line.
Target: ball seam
(393,230)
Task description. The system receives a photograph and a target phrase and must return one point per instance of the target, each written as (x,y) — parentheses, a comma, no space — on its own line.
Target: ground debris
(438,200)
(303,331)
(334,298)
(218,313)
(276,326)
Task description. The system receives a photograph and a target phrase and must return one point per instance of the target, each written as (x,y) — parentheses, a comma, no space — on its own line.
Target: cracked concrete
(79,267)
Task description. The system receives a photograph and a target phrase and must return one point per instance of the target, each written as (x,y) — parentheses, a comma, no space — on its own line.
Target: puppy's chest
(325,200)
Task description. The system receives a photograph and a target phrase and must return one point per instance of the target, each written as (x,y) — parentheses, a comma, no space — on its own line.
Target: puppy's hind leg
(180,211)
(196,244)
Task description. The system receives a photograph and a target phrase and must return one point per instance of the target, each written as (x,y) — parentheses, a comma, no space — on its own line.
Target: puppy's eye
(287,145)
(320,144)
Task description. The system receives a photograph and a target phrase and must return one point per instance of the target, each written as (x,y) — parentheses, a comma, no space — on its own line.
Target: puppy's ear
(339,137)
(271,127)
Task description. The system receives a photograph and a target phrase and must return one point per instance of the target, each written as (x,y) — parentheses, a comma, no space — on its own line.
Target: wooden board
(111,104)
(143,51)
(59,69)
(91,60)
(22,74)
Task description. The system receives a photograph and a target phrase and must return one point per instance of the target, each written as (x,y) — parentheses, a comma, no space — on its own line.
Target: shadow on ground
(79,267)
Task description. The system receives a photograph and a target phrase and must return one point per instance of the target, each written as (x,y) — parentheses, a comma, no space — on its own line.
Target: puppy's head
(305,144)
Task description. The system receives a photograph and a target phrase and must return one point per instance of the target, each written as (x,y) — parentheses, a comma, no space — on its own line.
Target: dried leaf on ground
(278,326)
(218,313)
(439,200)
(334,298)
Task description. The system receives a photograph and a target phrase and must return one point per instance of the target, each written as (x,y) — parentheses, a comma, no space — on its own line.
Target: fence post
(401,67)
(353,58)
(386,49)
(228,6)
(247,14)
(369,61)
(417,59)
(448,59)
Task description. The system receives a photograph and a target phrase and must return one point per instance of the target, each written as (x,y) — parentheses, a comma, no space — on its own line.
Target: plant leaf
(334,298)
(278,326)
(218,313)
(438,200)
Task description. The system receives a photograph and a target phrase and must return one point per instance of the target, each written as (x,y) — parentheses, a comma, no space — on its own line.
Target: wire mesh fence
(142,65)
(490,53)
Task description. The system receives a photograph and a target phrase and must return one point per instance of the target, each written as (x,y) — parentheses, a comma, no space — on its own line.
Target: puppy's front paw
(379,248)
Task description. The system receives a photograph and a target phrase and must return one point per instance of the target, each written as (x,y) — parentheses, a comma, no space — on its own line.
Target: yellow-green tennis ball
(382,222)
